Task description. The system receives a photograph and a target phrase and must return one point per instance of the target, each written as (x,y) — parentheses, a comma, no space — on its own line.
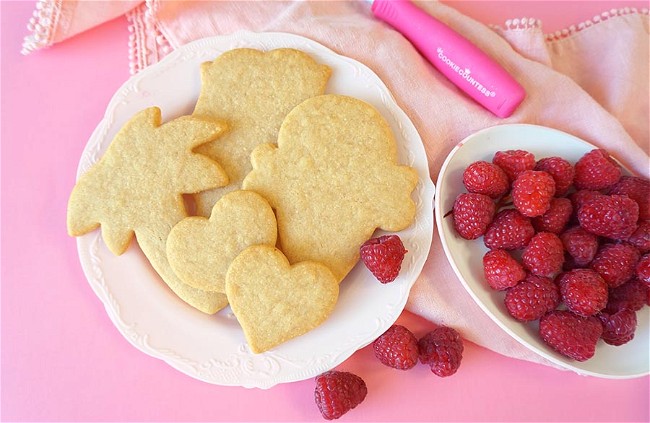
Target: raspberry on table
(510,230)
(544,255)
(397,348)
(513,162)
(596,170)
(383,256)
(631,295)
(556,218)
(532,192)
(611,216)
(501,270)
(532,298)
(581,245)
(569,334)
(616,263)
(640,238)
(338,392)
(560,169)
(618,327)
(482,177)
(442,349)
(637,189)
(584,292)
(643,269)
(472,214)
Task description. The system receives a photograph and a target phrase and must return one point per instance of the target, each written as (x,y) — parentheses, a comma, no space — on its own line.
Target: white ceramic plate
(213,348)
(626,361)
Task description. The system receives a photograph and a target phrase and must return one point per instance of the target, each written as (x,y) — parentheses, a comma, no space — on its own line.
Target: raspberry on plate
(560,169)
(513,162)
(383,256)
(472,214)
(631,295)
(532,298)
(611,216)
(544,255)
(584,292)
(338,392)
(637,189)
(619,327)
(486,178)
(509,230)
(643,269)
(596,170)
(616,263)
(501,270)
(532,192)
(397,348)
(556,218)
(581,245)
(442,349)
(569,334)
(640,238)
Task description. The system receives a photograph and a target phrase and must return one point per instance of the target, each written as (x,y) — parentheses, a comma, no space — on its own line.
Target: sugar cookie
(201,249)
(274,301)
(333,179)
(136,189)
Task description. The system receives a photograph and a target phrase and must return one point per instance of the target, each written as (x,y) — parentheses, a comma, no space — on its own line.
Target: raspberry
(532,192)
(532,298)
(556,218)
(619,327)
(501,270)
(513,162)
(570,334)
(611,216)
(442,349)
(338,392)
(643,269)
(544,255)
(397,348)
(581,245)
(596,170)
(560,169)
(472,214)
(637,189)
(383,257)
(615,263)
(509,230)
(640,238)
(584,292)
(486,178)
(631,295)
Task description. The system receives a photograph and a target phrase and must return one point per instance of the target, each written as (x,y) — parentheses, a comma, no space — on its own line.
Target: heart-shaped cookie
(275,301)
(200,250)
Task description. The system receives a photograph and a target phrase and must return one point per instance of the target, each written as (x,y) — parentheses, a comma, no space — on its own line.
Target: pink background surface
(62,358)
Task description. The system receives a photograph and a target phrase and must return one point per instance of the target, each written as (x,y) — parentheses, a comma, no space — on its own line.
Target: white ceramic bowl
(626,361)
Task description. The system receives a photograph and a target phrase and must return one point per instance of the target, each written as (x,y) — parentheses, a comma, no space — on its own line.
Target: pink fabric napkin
(590,80)
(57,20)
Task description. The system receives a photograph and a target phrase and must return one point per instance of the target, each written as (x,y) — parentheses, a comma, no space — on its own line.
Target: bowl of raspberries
(550,235)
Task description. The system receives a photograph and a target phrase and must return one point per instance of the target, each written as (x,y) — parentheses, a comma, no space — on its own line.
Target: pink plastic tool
(464,64)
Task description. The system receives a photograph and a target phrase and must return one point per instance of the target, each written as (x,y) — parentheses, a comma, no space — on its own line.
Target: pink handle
(454,56)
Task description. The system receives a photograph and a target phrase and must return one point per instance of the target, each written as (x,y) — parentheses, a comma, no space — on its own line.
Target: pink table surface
(62,358)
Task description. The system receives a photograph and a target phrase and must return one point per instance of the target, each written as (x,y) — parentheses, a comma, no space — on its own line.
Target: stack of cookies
(287,183)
